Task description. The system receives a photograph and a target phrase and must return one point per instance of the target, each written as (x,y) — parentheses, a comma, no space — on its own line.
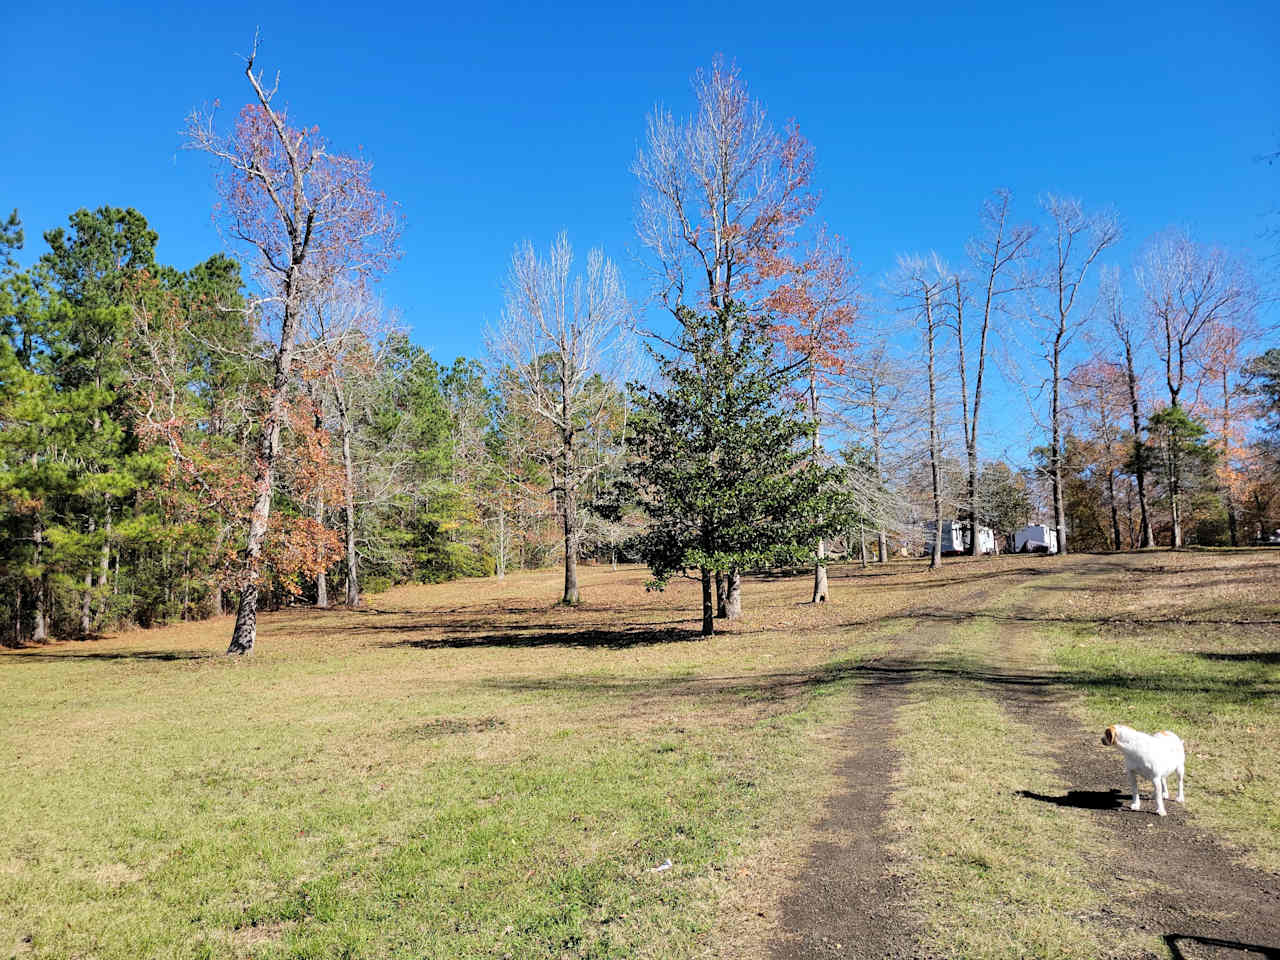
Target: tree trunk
(734,607)
(882,547)
(708,608)
(40,597)
(1115,516)
(245,632)
(86,595)
(353,557)
(104,561)
(502,541)
(1233,527)
(1055,450)
(1148,537)
(348,496)
(862,542)
(820,574)
(935,560)
(322,578)
(722,595)
(568,508)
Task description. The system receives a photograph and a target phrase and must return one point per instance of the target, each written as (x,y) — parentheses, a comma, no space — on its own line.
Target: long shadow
(965,616)
(1080,799)
(880,673)
(1175,941)
(597,638)
(1244,656)
(140,655)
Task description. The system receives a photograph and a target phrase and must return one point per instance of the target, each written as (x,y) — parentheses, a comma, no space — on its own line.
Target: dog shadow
(1080,799)
(1175,942)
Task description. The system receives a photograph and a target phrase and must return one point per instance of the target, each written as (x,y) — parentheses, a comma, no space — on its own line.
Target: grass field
(467,770)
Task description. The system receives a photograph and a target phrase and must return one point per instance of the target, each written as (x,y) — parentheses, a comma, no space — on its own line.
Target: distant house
(1036,538)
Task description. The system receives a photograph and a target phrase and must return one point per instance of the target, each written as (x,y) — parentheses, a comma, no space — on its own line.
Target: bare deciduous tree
(562,340)
(1112,298)
(718,189)
(306,217)
(1189,290)
(1077,240)
(997,256)
(921,284)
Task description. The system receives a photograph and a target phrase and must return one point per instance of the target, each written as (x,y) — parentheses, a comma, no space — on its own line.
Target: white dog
(1154,756)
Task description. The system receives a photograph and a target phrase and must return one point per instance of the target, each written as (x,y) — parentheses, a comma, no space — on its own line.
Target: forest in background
(259,429)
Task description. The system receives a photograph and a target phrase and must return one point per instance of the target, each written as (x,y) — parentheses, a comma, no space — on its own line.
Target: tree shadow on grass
(110,655)
(1270,657)
(601,638)
(1080,799)
(882,673)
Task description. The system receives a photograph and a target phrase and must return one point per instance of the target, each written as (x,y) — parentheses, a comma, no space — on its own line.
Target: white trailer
(1036,538)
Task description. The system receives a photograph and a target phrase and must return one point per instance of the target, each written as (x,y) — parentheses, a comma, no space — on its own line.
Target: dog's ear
(1109,737)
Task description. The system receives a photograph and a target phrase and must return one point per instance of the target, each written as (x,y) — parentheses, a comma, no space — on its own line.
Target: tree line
(258,429)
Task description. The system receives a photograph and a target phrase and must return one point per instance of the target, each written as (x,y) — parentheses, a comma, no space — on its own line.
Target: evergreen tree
(718,462)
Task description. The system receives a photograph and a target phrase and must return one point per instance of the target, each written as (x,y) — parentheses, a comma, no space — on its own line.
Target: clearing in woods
(467,770)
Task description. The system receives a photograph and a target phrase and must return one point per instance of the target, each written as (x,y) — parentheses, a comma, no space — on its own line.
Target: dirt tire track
(1210,905)
(846,901)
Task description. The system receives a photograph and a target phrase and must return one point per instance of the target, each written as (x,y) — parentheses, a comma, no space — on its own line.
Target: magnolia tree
(720,191)
(305,218)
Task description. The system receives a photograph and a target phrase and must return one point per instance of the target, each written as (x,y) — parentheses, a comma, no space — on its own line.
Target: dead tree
(307,218)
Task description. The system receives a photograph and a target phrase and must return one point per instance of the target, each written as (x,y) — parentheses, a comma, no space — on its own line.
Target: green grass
(1221,695)
(991,876)
(329,800)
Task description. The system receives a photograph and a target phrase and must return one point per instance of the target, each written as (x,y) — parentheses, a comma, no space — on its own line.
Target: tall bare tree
(1189,290)
(562,340)
(1121,322)
(306,217)
(872,406)
(1077,240)
(997,255)
(921,283)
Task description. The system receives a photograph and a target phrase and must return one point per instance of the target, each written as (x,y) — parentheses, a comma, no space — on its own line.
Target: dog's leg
(1164,786)
(1182,772)
(1161,791)
(1136,803)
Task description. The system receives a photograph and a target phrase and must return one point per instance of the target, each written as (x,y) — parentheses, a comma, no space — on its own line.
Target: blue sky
(491,124)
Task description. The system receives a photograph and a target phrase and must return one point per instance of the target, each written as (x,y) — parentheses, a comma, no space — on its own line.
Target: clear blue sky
(490,124)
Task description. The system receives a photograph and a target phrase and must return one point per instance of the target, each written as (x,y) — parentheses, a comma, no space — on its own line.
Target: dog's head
(1109,736)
